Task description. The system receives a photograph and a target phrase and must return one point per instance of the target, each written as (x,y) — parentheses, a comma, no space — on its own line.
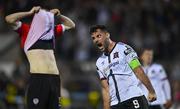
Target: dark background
(139,23)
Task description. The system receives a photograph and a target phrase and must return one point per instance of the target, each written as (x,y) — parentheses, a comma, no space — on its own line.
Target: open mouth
(99,45)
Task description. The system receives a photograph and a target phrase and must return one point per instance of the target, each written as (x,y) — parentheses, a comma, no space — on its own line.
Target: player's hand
(168,104)
(56,12)
(35,9)
(152,96)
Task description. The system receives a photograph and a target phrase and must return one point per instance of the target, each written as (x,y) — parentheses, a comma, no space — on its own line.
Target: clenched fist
(152,96)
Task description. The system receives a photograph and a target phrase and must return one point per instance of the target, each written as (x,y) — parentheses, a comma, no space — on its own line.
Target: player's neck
(111,46)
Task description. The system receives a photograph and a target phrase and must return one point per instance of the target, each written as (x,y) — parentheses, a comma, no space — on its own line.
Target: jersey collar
(108,53)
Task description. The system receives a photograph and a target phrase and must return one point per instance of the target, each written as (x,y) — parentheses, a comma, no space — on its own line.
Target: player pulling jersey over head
(118,68)
(38,40)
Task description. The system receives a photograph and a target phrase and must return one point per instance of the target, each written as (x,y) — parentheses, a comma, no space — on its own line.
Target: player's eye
(98,35)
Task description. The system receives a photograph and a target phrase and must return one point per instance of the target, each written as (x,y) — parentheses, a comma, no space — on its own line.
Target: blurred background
(139,23)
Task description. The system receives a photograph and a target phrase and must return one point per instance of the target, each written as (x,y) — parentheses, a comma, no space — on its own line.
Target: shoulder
(121,46)
(18,24)
(156,65)
(125,48)
(160,70)
(60,27)
(100,60)
(22,28)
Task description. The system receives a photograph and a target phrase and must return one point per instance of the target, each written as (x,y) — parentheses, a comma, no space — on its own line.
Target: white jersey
(158,78)
(114,67)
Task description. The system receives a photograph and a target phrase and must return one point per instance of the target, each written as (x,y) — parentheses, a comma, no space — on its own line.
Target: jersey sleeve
(167,89)
(162,73)
(17,26)
(22,29)
(100,73)
(131,57)
(59,29)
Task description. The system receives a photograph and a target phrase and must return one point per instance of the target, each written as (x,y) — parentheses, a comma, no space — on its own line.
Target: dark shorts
(43,91)
(133,103)
(155,107)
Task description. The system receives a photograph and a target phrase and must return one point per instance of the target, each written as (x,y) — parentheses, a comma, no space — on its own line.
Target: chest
(113,63)
(153,73)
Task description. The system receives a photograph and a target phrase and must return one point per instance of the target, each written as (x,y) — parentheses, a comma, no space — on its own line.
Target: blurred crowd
(139,23)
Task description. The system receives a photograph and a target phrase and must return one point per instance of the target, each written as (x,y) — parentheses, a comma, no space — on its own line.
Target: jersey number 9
(136,104)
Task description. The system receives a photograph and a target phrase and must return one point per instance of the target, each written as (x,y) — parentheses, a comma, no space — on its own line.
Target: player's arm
(13,18)
(132,60)
(67,22)
(139,72)
(105,94)
(166,88)
(167,91)
(105,89)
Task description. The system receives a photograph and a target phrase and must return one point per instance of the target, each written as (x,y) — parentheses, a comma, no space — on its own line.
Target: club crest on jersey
(116,55)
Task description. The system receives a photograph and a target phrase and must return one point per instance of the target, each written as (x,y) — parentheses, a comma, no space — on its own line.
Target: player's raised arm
(67,22)
(13,18)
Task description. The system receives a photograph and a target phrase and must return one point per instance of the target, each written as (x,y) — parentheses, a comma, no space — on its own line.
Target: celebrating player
(118,68)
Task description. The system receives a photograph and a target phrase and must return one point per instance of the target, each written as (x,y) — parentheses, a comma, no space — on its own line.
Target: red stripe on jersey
(24,30)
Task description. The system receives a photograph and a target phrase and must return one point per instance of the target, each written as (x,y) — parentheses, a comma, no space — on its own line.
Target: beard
(106,45)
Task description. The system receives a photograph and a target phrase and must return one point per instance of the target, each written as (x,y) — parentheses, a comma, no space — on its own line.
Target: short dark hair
(95,27)
(145,48)
(45,4)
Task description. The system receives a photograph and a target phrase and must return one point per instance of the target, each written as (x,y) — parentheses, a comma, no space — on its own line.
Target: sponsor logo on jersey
(110,66)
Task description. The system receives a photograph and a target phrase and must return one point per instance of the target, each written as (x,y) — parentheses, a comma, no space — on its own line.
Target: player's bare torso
(42,61)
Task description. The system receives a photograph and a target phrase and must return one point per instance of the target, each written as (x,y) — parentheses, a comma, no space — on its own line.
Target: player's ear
(108,35)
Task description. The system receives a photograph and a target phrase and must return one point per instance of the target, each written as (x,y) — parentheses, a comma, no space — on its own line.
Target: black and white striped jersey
(115,68)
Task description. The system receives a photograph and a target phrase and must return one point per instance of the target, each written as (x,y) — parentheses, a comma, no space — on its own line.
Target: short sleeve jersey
(22,29)
(156,74)
(115,68)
